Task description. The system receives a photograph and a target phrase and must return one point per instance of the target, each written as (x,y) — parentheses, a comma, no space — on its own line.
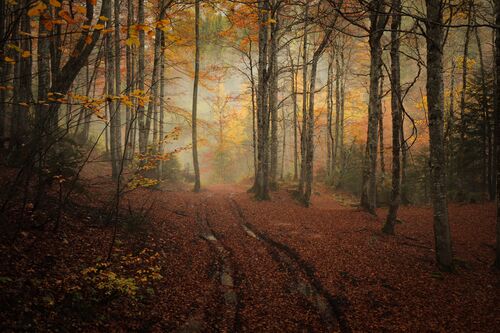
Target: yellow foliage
(37,8)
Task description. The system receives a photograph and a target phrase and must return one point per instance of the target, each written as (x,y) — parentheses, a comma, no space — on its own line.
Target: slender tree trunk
(254,111)
(303,141)
(110,93)
(497,126)
(3,71)
(340,144)
(396,118)
(310,119)
(329,121)
(338,107)
(141,83)
(130,83)
(381,131)
(369,179)
(23,94)
(283,149)
(262,182)
(152,113)
(196,165)
(118,89)
(486,122)
(463,125)
(435,100)
(273,97)
(163,93)
(449,126)
(293,74)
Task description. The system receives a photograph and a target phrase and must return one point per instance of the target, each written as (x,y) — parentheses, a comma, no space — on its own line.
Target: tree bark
(497,126)
(141,76)
(273,95)
(262,181)
(463,125)
(303,141)
(196,165)
(435,101)
(293,74)
(378,21)
(390,222)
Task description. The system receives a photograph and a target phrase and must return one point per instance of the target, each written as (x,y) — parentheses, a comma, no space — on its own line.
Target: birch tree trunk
(435,100)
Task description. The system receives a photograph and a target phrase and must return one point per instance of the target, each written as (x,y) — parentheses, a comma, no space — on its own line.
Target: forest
(249,166)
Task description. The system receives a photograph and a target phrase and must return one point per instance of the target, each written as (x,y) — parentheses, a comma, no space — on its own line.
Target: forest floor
(221,261)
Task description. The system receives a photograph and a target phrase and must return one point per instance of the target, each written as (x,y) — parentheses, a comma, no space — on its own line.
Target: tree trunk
(254,111)
(283,148)
(273,97)
(130,85)
(369,180)
(381,131)
(463,125)
(295,120)
(303,141)
(435,101)
(497,126)
(141,75)
(118,89)
(110,93)
(196,165)
(396,118)
(338,107)
(329,121)
(22,96)
(163,93)
(3,71)
(487,188)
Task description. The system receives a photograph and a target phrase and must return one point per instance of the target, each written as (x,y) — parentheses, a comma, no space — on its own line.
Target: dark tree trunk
(116,120)
(141,76)
(378,21)
(262,181)
(435,101)
(463,125)
(303,138)
(273,97)
(329,121)
(497,126)
(197,184)
(293,74)
(396,118)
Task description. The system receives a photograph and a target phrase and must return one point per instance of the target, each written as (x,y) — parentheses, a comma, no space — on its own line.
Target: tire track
(225,312)
(328,306)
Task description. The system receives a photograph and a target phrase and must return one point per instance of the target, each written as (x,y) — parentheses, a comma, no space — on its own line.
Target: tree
(261,186)
(196,165)
(378,21)
(497,125)
(396,117)
(435,101)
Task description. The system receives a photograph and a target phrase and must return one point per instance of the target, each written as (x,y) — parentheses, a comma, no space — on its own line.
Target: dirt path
(244,258)
(238,265)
